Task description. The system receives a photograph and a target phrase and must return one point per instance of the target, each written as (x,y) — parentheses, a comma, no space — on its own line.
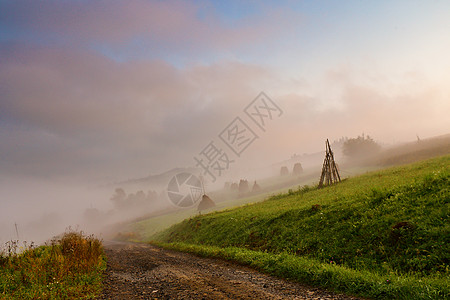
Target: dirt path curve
(141,271)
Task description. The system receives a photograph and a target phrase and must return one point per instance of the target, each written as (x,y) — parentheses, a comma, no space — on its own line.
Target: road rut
(142,271)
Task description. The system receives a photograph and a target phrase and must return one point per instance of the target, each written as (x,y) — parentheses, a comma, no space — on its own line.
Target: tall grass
(68,267)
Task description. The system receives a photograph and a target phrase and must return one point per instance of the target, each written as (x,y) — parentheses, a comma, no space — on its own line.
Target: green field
(384,234)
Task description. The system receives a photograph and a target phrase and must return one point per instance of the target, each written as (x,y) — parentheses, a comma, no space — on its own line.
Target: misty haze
(202,127)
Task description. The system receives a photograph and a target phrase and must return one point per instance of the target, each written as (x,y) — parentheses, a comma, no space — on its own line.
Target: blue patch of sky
(232,11)
(334,33)
(324,31)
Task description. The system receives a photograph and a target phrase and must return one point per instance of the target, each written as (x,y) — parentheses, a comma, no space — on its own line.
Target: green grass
(390,224)
(68,268)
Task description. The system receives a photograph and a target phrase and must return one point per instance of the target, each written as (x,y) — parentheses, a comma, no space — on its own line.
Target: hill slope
(389,223)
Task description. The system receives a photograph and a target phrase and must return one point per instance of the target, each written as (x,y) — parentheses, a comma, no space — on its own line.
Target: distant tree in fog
(122,201)
(360,147)
(139,198)
(119,198)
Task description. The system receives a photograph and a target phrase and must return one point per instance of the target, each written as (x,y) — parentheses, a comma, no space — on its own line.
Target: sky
(101,91)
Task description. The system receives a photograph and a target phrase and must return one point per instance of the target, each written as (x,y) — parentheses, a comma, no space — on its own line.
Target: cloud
(139,26)
(349,101)
(67,108)
(114,21)
(70,109)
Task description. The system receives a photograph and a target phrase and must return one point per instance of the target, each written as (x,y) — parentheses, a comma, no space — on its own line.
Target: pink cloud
(165,24)
(89,107)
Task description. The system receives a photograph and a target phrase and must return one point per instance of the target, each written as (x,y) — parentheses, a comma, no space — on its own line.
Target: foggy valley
(161,121)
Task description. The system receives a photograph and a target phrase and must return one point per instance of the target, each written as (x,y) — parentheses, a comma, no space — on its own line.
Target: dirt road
(141,271)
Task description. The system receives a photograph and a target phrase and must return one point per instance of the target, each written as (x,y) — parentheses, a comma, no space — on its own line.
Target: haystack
(243,186)
(256,188)
(284,171)
(298,169)
(205,203)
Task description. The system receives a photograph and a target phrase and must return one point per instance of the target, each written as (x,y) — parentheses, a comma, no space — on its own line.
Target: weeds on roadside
(70,266)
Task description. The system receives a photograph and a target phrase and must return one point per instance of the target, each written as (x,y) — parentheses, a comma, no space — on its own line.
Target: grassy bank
(69,268)
(386,225)
(339,278)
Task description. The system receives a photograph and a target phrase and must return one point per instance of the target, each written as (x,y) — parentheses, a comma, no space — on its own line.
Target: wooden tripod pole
(330,172)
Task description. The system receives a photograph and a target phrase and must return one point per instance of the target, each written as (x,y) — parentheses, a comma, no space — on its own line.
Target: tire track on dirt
(142,271)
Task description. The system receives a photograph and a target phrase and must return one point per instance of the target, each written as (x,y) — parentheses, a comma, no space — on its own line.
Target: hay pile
(205,203)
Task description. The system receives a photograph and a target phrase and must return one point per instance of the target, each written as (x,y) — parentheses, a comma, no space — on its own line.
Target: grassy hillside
(392,224)
(69,268)
(144,229)
(414,151)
